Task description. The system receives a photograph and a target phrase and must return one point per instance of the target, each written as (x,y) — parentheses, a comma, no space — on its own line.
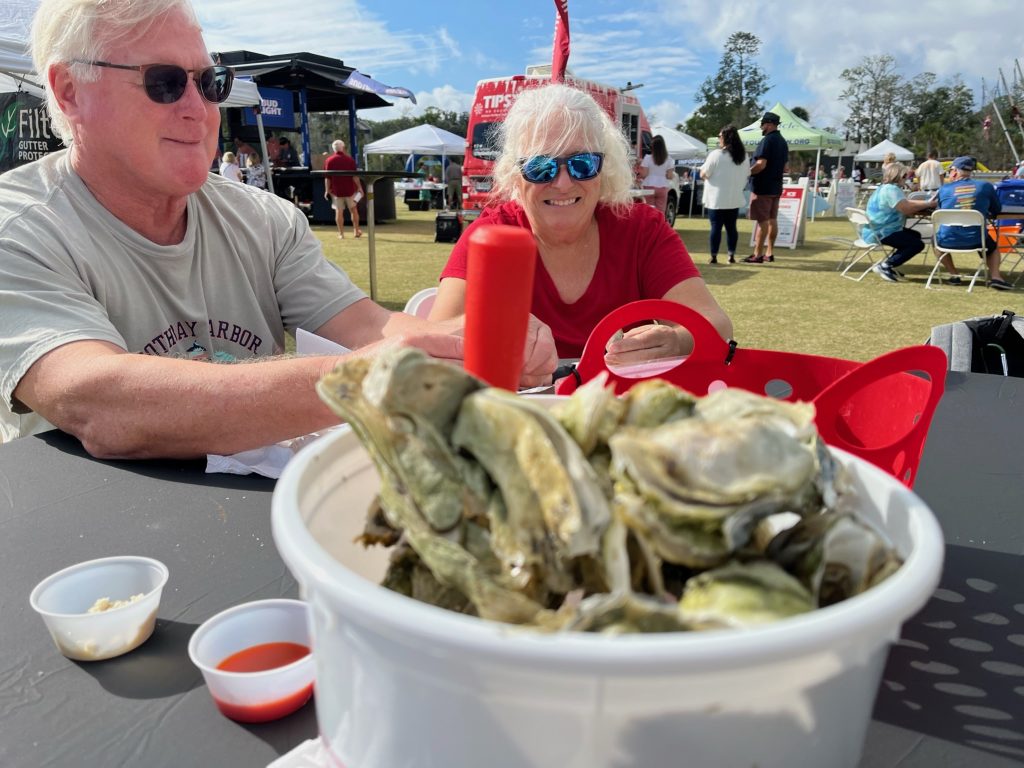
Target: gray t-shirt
(247,269)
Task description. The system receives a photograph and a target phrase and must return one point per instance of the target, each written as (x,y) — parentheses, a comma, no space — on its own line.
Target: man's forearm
(135,406)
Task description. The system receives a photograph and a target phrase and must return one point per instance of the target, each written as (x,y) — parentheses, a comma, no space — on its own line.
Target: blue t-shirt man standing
(964,193)
(766,173)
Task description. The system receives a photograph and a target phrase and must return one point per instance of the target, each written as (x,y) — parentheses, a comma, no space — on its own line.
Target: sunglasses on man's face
(166,83)
(542,169)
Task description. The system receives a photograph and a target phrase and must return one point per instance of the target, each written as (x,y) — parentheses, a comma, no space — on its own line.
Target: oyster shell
(835,555)
(553,509)
(743,595)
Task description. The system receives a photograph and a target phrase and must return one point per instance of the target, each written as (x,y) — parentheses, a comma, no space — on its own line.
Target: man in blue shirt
(964,193)
(766,173)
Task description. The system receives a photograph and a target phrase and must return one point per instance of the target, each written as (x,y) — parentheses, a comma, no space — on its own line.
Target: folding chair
(1011,246)
(922,225)
(958,218)
(419,303)
(859,248)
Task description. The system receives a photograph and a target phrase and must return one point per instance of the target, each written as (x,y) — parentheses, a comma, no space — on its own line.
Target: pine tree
(733,94)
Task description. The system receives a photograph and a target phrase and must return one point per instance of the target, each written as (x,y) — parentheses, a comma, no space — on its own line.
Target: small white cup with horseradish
(101,608)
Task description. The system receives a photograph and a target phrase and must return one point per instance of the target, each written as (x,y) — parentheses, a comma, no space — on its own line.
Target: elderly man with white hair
(129,274)
(345,191)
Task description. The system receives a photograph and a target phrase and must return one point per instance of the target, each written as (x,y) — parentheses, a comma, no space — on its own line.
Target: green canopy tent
(799,134)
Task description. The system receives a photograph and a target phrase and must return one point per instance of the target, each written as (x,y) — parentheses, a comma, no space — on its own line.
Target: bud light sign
(278,109)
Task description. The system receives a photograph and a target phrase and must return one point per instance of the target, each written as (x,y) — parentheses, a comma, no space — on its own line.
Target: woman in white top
(229,167)
(656,169)
(725,174)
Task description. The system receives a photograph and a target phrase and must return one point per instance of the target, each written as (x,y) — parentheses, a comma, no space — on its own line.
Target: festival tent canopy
(878,152)
(15,63)
(681,146)
(799,134)
(423,139)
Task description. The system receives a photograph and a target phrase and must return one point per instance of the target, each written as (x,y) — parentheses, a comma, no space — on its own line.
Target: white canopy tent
(681,146)
(15,63)
(15,21)
(878,152)
(423,139)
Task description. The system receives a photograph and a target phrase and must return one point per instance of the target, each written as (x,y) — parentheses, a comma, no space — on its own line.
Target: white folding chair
(858,248)
(419,303)
(955,217)
(922,226)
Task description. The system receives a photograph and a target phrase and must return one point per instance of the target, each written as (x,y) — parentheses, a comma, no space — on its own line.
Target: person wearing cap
(963,192)
(769,166)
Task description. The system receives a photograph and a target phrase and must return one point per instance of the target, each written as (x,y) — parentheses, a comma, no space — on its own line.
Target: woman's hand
(539,356)
(648,342)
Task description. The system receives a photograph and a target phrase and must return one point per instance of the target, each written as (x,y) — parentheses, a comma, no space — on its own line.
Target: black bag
(448,228)
(992,344)
(998,346)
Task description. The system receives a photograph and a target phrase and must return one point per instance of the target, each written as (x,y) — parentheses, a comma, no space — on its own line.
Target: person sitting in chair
(963,192)
(887,210)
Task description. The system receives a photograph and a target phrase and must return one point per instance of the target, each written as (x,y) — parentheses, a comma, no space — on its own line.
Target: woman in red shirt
(564,174)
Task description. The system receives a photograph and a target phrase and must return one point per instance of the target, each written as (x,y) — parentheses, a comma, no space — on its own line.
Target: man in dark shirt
(770,160)
(288,157)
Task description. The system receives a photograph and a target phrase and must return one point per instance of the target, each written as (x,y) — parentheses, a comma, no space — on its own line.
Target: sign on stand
(791,216)
(846,196)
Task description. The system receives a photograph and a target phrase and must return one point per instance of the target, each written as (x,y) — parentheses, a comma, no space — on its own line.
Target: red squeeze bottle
(499,292)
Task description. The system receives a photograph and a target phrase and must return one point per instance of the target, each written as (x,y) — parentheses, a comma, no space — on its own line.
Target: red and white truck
(491,103)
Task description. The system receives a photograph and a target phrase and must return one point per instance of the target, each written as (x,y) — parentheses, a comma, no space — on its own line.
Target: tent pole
(814,187)
(353,134)
(1002,124)
(263,146)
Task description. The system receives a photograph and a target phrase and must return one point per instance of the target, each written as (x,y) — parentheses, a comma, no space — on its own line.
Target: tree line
(920,113)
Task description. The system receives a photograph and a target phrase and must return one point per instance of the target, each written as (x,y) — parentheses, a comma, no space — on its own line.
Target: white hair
(66,30)
(527,132)
(338,145)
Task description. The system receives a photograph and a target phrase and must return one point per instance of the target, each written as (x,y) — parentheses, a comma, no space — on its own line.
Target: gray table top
(952,692)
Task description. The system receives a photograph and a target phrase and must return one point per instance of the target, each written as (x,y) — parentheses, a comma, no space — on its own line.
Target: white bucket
(400,683)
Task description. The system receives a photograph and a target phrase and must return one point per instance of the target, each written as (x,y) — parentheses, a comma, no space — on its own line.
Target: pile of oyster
(654,511)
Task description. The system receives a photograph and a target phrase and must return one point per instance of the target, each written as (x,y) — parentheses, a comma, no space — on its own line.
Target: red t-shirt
(641,257)
(341,186)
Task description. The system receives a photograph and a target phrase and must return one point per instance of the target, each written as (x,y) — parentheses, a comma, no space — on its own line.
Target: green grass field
(797,304)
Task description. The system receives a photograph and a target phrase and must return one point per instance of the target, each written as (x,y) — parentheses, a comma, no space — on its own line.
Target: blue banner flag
(363,83)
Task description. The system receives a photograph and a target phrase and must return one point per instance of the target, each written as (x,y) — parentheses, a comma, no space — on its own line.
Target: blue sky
(440,50)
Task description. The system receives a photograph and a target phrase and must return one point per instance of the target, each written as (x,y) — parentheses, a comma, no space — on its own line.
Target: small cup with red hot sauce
(256,660)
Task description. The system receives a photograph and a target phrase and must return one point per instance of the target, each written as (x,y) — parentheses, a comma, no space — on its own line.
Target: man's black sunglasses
(166,83)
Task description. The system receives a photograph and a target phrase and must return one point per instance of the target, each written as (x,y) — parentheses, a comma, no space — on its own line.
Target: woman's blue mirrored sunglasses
(542,169)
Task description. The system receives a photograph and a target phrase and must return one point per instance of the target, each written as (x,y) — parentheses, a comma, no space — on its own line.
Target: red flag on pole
(560,48)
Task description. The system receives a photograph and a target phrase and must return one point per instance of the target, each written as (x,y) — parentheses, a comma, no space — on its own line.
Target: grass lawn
(797,304)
